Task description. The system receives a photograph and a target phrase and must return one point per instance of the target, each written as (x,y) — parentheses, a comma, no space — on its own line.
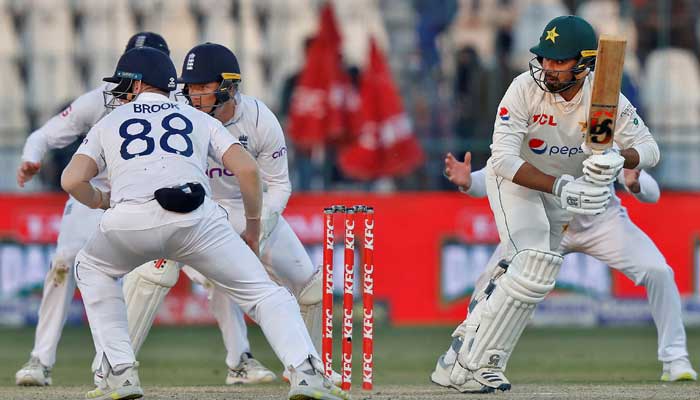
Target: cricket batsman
(610,237)
(538,176)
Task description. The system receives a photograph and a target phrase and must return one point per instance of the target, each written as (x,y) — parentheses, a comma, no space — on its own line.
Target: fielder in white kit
(78,222)
(537,177)
(155,153)
(211,75)
(612,238)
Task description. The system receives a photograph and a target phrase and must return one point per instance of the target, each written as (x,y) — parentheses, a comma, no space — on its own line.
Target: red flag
(386,145)
(322,97)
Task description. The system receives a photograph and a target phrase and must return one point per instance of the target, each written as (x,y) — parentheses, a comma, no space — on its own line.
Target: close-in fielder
(78,222)
(155,152)
(211,75)
(610,237)
(537,177)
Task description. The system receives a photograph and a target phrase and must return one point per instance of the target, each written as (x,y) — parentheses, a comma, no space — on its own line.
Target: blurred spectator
(666,24)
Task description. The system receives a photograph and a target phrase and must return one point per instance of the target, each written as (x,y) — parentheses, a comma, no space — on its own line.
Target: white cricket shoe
(441,377)
(679,370)
(309,382)
(33,373)
(249,371)
(123,386)
(335,377)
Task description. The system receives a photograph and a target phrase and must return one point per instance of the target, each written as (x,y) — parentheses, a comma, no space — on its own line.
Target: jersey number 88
(150,143)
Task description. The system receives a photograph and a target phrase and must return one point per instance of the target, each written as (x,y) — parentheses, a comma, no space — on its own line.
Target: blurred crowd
(452,60)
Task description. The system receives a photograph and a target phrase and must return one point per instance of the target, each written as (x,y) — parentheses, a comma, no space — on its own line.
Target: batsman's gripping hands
(579,196)
(602,169)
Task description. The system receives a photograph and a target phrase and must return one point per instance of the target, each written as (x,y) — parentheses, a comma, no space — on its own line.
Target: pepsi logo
(503,114)
(538,146)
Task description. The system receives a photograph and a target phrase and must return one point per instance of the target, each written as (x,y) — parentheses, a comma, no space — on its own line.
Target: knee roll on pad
(311,292)
(145,289)
(505,313)
(311,308)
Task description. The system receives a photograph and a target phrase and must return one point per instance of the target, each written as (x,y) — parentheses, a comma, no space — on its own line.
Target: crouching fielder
(534,182)
(612,238)
(211,76)
(159,207)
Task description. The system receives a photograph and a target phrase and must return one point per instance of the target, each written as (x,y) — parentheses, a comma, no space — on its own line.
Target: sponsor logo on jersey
(544,119)
(218,172)
(279,153)
(503,114)
(538,146)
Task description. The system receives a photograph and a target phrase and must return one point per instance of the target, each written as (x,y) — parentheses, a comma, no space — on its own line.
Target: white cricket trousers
(285,260)
(526,218)
(615,240)
(619,243)
(132,234)
(78,224)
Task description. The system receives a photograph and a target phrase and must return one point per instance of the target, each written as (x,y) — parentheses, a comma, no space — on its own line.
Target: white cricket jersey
(546,131)
(65,127)
(258,130)
(154,142)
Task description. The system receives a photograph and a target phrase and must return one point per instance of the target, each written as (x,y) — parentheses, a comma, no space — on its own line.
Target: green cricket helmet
(565,38)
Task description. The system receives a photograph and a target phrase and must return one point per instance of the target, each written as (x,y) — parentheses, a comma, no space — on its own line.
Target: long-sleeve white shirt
(546,131)
(65,127)
(259,131)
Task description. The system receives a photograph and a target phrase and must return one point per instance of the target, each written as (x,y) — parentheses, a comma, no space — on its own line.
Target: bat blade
(607,80)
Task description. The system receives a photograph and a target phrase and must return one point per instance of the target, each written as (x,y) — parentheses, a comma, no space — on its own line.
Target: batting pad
(311,307)
(145,289)
(507,311)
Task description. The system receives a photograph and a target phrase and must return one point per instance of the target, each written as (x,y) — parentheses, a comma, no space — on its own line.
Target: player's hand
(459,173)
(603,169)
(251,235)
(632,180)
(26,171)
(582,197)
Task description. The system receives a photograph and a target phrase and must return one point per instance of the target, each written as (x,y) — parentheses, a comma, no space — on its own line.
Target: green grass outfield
(188,363)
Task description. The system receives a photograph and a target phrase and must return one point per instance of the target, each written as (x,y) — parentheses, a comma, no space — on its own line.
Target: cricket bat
(607,80)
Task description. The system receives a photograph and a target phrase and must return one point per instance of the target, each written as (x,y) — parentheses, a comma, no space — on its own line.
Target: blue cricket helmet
(148,39)
(145,64)
(210,62)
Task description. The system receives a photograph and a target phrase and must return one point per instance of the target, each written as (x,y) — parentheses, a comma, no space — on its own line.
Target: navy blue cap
(148,65)
(148,39)
(210,62)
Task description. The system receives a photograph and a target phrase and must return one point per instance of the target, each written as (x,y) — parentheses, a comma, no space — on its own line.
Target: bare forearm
(251,191)
(89,195)
(533,178)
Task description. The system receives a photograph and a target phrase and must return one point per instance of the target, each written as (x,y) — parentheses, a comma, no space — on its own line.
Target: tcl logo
(544,119)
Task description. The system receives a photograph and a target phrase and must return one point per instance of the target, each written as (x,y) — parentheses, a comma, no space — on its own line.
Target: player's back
(152,143)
